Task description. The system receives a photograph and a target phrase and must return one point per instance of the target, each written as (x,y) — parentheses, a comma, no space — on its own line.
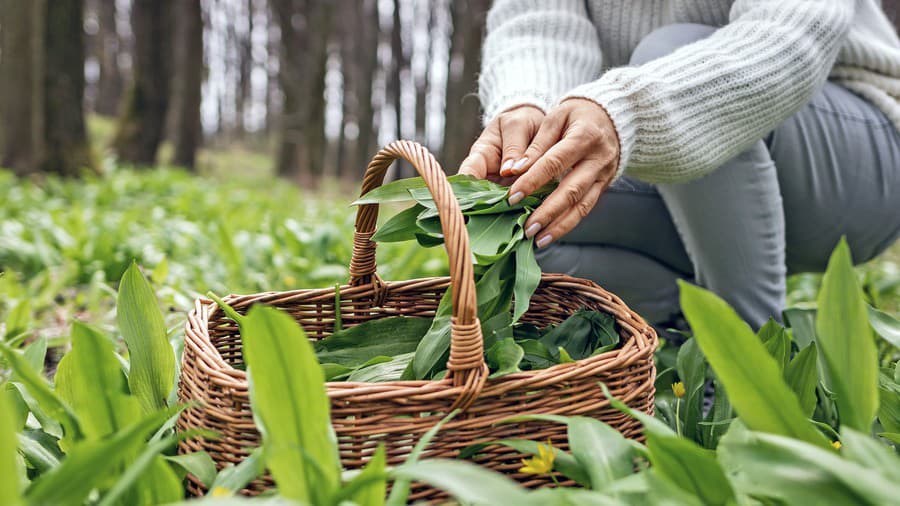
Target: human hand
(576,134)
(502,143)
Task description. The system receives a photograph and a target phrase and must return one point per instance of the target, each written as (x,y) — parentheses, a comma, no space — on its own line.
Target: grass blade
(846,342)
(287,393)
(152,372)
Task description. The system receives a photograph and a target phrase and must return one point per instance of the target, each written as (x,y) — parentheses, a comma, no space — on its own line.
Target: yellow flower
(542,463)
(289,280)
(836,444)
(220,492)
(678,389)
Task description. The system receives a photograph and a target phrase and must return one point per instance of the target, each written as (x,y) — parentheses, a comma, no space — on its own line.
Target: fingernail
(543,241)
(532,229)
(506,165)
(520,163)
(515,198)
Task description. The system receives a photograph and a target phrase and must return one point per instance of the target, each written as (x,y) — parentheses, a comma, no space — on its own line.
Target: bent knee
(666,39)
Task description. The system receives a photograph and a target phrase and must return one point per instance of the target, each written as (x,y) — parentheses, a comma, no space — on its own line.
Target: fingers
(572,217)
(570,192)
(484,156)
(516,132)
(562,156)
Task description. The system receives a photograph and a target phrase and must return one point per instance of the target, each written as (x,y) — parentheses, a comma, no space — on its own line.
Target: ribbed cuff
(541,100)
(615,102)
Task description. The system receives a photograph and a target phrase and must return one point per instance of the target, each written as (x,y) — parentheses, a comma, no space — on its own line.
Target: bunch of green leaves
(506,272)
(102,433)
(770,451)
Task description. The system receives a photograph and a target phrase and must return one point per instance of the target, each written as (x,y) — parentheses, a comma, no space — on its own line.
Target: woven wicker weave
(398,413)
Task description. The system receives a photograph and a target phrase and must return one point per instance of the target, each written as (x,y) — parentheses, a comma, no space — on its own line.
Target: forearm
(534,51)
(683,115)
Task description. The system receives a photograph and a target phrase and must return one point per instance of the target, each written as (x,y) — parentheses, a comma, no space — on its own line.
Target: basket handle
(466,366)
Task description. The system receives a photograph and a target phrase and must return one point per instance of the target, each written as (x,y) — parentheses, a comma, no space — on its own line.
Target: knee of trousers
(666,39)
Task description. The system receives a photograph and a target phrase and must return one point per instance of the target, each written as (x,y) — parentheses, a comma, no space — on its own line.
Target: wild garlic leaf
(504,357)
(528,277)
(401,227)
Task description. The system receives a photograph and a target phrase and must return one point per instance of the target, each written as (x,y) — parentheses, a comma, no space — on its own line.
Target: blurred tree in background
(42,87)
(301,88)
(312,86)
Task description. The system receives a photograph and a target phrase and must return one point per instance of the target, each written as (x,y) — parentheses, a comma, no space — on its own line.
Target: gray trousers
(830,170)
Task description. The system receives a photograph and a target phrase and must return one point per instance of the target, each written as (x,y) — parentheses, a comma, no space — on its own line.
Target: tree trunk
(245,65)
(141,123)
(17,83)
(305,28)
(66,147)
(423,84)
(367,39)
(187,82)
(463,123)
(111,83)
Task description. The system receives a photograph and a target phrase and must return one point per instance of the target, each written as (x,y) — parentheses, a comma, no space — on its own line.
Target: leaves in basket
(583,334)
(382,337)
(401,227)
(504,357)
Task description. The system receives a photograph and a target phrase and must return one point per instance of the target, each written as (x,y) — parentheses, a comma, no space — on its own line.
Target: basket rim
(640,342)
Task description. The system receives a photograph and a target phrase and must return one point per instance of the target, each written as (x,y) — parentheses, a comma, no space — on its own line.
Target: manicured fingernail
(515,198)
(506,166)
(532,229)
(519,163)
(543,241)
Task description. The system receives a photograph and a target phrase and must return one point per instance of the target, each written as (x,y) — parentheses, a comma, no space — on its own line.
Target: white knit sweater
(683,115)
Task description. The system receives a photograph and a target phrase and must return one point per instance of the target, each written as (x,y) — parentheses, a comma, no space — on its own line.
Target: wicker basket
(398,413)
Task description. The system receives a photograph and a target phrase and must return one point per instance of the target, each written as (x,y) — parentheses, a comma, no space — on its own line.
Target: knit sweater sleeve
(681,116)
(534,51)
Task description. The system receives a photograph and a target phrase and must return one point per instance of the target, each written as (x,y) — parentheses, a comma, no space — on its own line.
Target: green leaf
(796,472)
(651,424)
(90,379)
(37,388)
(583,334)
(288,397)
(750,375)
(369,487)
(504,357)
(400,488)
(889,411)
(777,342)
(152,372)
(434,348)
(387,370)
(487,233)
(845,340)
(801,375)
(690,467)
(803,325)
(401,227)
(199,464)
(18,320)
(870,453)
(885,326)
(10,489)
(40,450)
(235,477)
(467,482)
(528,277)
(382,337)
(35,353)
(691,367)
(395,191)
(90,463)
(563,462)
